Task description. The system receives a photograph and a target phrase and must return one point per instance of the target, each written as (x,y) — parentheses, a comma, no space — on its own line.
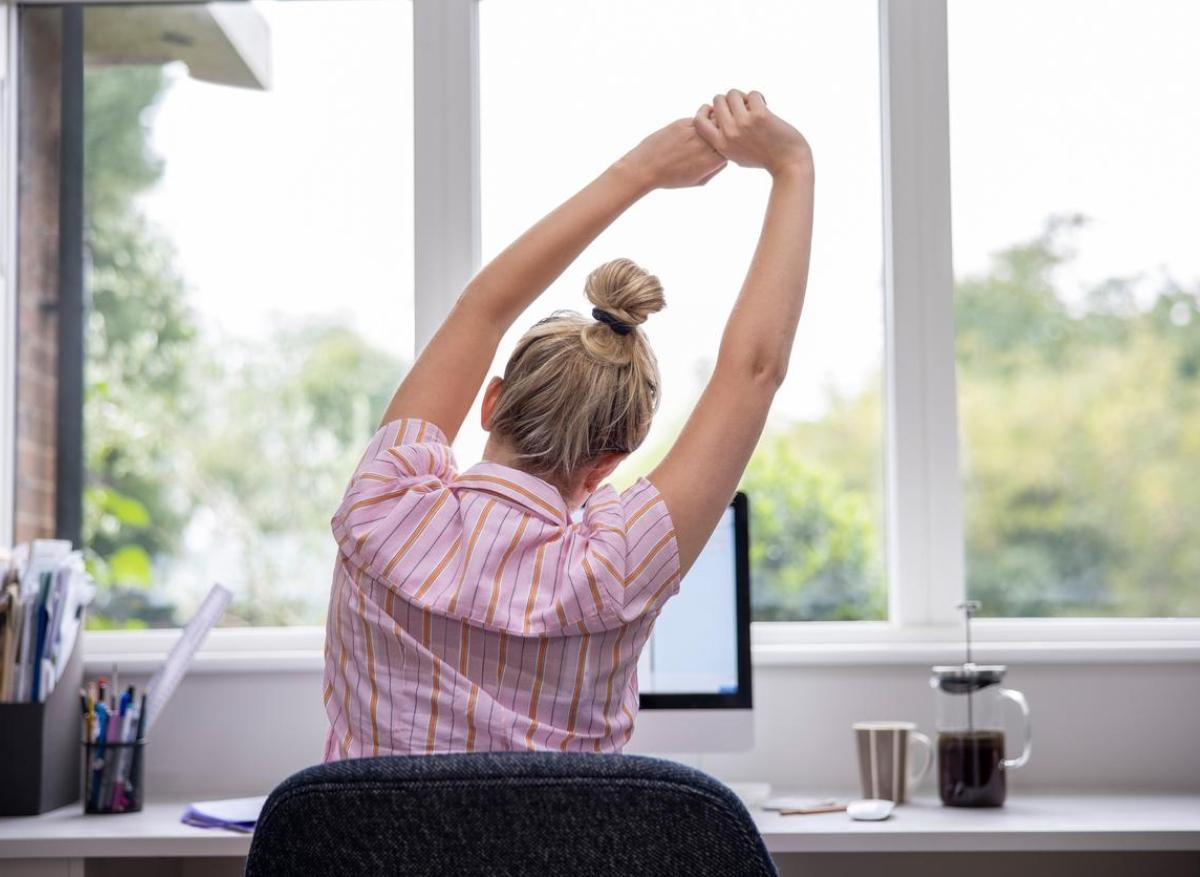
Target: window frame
(925,546)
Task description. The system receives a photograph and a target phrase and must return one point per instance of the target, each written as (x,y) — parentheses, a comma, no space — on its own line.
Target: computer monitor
(694,672)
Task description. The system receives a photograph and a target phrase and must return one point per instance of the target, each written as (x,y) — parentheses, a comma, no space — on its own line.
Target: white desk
(1026,823)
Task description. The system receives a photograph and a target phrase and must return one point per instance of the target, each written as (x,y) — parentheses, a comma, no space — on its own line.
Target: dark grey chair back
(513,814)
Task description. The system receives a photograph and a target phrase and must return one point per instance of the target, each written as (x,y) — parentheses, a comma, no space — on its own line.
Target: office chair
(513,814)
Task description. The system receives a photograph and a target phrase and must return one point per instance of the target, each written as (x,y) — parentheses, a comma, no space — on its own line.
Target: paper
(235,814)
(45,587)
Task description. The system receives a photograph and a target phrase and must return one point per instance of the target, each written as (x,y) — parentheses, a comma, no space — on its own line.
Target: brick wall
(37,279)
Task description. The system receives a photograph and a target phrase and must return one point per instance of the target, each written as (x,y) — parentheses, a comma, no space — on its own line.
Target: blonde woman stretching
(470,609)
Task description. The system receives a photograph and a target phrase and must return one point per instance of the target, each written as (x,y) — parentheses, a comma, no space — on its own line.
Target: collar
(527,491)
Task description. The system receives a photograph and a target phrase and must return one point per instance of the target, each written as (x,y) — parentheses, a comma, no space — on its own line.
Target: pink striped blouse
(469,612)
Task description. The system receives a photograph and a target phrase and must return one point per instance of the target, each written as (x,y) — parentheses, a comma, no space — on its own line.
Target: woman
(469,610)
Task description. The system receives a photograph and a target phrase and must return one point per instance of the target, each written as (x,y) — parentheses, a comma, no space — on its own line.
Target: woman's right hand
(741,128)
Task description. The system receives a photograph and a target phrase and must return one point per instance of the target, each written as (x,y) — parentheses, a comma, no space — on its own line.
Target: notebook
(235,814)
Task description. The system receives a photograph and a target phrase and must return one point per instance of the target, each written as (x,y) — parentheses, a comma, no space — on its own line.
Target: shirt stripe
(479,525)
(516,540)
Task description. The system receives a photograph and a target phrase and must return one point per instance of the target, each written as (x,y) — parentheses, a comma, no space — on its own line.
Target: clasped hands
(735,127)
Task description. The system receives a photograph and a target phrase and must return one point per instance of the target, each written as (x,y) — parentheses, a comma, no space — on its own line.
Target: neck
(498,451)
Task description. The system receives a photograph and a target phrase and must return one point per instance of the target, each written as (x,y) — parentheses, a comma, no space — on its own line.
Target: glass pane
(249,182)
(1073,134)
(566,88)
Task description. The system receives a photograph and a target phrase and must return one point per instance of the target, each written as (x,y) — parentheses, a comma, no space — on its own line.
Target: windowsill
(301,650)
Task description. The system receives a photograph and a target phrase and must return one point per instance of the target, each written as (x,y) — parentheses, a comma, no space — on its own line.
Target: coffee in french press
(972,769)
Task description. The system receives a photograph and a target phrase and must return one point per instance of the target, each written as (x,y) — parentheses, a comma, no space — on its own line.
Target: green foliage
(119,163)
(1081,422)
(130,564)
(140,338)
(285,422)
(813,552)
(199,444)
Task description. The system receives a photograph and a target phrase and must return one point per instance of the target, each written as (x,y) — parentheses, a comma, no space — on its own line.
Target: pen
(125,759)
(91,715)
(133,775)
(112,757)
(141,725)
(98,756)
(83,711)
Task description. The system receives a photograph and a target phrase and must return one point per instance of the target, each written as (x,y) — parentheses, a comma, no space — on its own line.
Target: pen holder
(112,777)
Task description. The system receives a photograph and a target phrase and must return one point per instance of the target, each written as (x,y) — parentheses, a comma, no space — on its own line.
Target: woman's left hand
(674,157)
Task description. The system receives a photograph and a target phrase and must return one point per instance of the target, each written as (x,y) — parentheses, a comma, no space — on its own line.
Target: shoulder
(625,545)
(401,483)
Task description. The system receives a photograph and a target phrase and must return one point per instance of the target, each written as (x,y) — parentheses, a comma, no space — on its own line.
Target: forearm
(522,272)
(725,426)
(762,326)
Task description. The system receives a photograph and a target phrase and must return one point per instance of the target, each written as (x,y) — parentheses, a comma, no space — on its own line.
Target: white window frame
(926,576)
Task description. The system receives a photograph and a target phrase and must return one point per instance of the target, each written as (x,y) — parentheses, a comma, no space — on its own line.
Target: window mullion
(925,532)
(446,156)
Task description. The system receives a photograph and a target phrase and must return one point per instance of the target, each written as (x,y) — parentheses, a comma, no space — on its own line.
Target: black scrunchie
(612,322)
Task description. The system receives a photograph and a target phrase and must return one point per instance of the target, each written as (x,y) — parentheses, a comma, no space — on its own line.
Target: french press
(970,706)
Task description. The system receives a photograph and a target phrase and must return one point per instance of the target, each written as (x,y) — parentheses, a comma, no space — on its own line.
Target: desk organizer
(39,761)
(112,777)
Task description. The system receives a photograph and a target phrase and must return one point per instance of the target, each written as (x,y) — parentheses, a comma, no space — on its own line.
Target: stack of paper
(235,814)
(43,590)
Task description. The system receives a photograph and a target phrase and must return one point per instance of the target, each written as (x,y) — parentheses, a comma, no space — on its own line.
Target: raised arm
(700,473)
(447,375)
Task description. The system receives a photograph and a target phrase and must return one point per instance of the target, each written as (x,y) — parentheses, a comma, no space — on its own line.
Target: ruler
(164,682)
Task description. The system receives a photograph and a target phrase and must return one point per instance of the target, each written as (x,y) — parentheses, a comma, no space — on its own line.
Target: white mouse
(872,809)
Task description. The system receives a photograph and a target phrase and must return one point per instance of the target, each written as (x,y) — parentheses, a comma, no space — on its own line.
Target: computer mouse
(870,809)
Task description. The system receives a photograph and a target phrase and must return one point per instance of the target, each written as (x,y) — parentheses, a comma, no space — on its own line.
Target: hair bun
(626,291)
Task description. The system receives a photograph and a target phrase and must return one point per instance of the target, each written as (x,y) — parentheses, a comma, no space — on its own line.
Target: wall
(1099,727)
(37,327)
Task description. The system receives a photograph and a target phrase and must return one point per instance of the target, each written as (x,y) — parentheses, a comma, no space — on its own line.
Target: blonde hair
(576,388)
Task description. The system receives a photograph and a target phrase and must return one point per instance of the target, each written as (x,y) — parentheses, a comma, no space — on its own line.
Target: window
(567,87)
(249,216)
(249,239)
(1077,277)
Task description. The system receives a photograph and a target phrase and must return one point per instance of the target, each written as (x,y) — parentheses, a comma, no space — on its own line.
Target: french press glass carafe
(970,724)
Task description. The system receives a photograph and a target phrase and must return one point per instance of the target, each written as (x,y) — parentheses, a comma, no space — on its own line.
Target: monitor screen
(694,648)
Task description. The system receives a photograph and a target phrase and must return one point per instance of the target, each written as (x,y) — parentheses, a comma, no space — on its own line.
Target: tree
(813,549)
(207,455)
(1081,421)
(140,337)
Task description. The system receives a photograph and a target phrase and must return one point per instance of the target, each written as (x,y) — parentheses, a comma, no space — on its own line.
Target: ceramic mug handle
(1019,699)
(914,776)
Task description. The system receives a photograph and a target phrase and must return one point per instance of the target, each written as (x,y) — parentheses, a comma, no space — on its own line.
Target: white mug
(884,766)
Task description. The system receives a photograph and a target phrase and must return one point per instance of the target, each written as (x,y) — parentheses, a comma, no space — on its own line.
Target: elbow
(769,373)
(759,370)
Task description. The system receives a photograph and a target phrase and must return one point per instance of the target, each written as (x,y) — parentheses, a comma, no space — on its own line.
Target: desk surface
(1026,822)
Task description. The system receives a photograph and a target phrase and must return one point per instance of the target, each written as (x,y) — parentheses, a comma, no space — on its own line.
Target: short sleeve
(630,555)
(407,466)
